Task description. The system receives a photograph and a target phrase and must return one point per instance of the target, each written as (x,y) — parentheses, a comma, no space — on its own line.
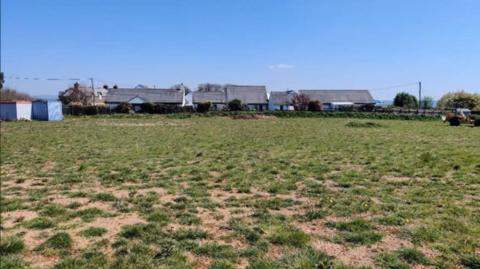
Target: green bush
(405,100)
(124,108)
(314,106)
(203,107)
(147,108)
(235,105)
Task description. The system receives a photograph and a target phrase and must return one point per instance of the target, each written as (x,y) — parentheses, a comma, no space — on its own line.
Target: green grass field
(160,192)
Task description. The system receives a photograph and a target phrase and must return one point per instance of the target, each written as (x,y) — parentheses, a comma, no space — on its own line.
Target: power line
(37,78)
(395,86)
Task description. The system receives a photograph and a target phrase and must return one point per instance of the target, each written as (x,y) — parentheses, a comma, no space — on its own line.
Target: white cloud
(281,66)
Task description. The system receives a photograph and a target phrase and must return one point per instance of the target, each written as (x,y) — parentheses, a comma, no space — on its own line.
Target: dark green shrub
(235,105)
(124,108)
(405,100)
(203,107)
(90,110)
(147,108)
(314,106)
(346,108)
(167,109)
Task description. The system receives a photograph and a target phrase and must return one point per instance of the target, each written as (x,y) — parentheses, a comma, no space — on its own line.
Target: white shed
(15,110)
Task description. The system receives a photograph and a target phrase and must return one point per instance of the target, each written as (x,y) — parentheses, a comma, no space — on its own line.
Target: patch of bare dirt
(158,190)
(114,224)
(12,218)
(395,179)
(365,255)
(316,228)
(48,166)
(135,124)
(97,204)
(65,200)
(40,261)
(357,256)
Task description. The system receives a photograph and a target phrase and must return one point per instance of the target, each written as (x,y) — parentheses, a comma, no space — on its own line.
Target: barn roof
(147,94)
(247,94)
(330,96)
(282,98)
(213,97)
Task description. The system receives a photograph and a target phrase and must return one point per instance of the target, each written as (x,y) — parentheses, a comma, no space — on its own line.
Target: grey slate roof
(247,94)
(282,98)
(329,96)
(217,97)
(149,95)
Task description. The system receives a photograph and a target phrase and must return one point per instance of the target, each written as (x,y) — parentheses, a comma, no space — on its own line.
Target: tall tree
(180,87)
(300,102)
(405,100)
(13,95)
(426,103)
(2,80)
(210,87)
(459,99)
(77,94)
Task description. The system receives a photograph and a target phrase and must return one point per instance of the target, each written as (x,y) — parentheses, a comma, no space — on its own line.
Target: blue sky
(297,44)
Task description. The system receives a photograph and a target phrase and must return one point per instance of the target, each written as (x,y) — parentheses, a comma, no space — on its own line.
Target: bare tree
(210,87)
(77,94)
(13,95)
(300,101)
(180,87)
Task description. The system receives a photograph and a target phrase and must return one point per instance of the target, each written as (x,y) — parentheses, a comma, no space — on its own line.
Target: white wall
(24,111)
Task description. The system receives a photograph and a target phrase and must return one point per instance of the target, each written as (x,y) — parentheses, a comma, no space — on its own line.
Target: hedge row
(179,112)
(324,114)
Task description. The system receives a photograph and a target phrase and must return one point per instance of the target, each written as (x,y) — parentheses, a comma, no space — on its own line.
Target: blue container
(47,110)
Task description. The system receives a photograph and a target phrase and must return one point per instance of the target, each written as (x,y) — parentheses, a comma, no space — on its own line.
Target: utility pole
(419,94)
(93,89)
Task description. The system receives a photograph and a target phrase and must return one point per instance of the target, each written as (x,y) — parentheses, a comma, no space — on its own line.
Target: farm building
(334,99)
(216,98)
(255,97)
(47,110)
(281,100)
(138,96)
(15,110)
